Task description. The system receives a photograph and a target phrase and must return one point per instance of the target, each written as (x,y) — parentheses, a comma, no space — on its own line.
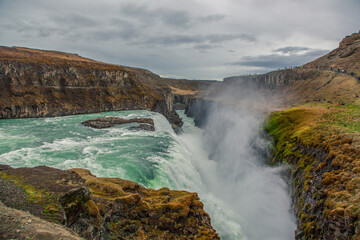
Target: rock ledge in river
(107,122)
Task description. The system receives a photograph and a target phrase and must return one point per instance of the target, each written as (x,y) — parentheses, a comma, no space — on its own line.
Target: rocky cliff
(291,87)
(36,83)
(323,154)
(271,80)
(95,208)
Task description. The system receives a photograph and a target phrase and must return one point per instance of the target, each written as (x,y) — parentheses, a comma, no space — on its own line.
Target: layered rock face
(198,108)
(103,208)
(38,83)
(269,80)
(292,87)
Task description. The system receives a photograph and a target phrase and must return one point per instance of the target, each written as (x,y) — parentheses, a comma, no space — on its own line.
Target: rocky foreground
(44,203)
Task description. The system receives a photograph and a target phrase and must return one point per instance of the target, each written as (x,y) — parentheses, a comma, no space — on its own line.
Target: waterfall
(245,198)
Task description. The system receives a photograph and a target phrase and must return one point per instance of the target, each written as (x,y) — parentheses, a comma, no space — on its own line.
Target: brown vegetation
(345,57)
(324,154)
(110,208)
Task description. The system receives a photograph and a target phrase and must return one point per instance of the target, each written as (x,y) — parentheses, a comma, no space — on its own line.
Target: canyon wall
(37,85)
(271,80)
(323,173)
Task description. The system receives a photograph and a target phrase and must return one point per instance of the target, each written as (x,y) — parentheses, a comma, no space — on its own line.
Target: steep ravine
(238,173)
(320,146)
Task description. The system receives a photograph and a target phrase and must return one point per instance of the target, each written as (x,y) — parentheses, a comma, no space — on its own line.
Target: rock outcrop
(103,208)
(106,122)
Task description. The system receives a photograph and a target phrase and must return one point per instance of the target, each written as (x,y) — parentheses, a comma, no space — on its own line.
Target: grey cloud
(126,31)
(213,18)
(204,47)
(138,12)
(180,19)
(145,15)
(74,19)
(198,39)
(290,50)
(30,27)
(273,61)
(167,16)
(173,40)
(218,38)
(123,30)
(45,32)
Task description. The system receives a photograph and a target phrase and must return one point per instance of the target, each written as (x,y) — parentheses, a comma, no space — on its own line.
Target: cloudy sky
(195,39)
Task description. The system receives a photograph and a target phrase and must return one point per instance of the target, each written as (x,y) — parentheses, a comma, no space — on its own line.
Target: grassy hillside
(345,57)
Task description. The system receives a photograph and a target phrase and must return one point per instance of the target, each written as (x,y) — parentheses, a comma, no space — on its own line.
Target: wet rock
(107,122)
(72,203)
(143,126)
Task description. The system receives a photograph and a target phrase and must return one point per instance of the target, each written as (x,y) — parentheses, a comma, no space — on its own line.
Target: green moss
(309,227)
(300,135)
(51,207)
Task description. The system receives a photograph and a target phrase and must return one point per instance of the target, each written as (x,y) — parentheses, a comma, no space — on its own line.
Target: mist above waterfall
(256,192)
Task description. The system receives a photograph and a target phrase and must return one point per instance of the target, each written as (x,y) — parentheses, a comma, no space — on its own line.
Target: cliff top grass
(302,135)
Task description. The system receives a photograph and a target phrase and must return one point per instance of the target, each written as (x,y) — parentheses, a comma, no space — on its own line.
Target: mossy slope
(324,156)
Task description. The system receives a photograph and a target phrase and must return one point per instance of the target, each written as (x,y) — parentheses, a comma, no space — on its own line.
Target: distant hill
(345,57)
